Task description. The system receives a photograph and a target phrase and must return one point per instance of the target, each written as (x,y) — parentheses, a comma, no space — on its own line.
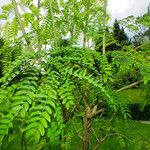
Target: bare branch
(129,86)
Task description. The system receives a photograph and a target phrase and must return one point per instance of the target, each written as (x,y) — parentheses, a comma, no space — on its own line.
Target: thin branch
(94,114)
(95,135)
(20,23)
(104,28)
(84,100)
(53,23)
(129,86)
(38,28)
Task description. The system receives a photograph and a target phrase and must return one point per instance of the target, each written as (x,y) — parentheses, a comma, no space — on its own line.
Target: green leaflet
(51,103)
(34,113)
(40,96)
(3,126)
(37,136)
(29,133)
(46,116)
(38,107)
(41,129)
(31,125)
(66,95)
(48,109)
(70,98)
(44,122)
(17,103)
(34,119)
(16,109)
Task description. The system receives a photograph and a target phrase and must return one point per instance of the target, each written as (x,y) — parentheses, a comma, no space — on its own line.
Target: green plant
(43,90)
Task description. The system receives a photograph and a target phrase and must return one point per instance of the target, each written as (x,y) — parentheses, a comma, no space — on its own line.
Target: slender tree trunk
(38,28)
(84,41)
(88,42)
(53,23)
(87,126)
(21,24)
(104,28)
(90,113)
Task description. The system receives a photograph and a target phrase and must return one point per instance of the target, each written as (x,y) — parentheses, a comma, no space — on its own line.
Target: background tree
(119,34)
(115,40)
(142,34)
(1,46)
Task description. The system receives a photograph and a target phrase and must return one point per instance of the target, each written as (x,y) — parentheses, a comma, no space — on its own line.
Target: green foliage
(130,65)
(43,90)
(139,27)
(42,100)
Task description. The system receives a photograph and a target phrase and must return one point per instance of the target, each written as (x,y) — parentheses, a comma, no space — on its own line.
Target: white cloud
(122,8)
(117,6)
(3,2)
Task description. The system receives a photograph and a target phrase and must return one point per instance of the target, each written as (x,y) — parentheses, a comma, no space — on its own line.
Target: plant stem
(53,23)
(21,24)
(38,28)
(104,26)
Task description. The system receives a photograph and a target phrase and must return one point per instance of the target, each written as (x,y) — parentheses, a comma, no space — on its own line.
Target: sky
(122,8)
(118,8)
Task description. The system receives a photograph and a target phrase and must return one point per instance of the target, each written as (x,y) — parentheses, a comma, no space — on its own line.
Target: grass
(124,135)
(131,136)
(132,96)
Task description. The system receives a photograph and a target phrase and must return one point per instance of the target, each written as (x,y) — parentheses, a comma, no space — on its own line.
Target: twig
(95,135)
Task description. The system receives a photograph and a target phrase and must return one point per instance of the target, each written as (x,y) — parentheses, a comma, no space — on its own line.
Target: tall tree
(1,42)
(114,40)
(119,33)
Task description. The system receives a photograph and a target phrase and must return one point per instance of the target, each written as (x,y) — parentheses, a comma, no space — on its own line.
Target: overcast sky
(118,8)
(122,8)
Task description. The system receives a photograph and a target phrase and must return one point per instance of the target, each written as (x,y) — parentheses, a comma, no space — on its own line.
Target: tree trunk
(84,41)
(87,126)
(87,119)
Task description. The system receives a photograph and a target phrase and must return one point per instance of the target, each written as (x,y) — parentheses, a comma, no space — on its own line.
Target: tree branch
(20,23)
(129,86)
(53,22)
(97,112)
